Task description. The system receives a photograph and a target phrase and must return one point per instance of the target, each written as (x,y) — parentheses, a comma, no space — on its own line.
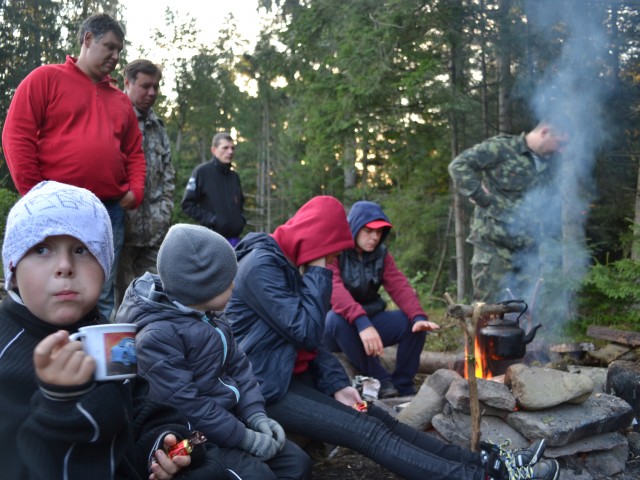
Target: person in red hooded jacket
(277,310)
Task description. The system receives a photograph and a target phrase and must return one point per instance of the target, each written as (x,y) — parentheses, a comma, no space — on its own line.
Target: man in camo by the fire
(497,176)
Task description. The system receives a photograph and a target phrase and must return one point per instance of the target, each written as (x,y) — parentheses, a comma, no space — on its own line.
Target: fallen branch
(461,312)
(618,336)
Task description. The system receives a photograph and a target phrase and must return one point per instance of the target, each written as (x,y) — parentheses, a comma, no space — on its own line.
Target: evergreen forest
(372,99)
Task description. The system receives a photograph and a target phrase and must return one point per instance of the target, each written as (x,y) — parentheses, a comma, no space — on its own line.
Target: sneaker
(387,389)
(529,455)
(543,470)
(514,458)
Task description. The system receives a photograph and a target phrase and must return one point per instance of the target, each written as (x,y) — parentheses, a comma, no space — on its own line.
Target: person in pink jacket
(359,324)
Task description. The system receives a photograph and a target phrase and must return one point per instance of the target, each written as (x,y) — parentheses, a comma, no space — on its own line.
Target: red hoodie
(319,228)
(62,126)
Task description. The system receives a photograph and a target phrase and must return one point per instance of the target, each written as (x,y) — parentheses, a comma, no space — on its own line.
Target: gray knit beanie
(52,208)
(195,264)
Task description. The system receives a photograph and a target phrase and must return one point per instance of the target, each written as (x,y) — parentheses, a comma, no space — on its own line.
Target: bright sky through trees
(144,17)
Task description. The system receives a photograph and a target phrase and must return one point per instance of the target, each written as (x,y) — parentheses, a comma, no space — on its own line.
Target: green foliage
(367,99)
(7,199)
(610,295)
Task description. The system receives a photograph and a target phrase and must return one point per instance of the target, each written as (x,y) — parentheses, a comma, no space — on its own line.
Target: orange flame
(481,366)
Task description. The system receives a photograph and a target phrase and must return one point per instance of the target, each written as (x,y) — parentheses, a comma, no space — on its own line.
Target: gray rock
(604,464)
(593,443)
(597,374)
(441,380)
(419,412)
(537,388)
(495,397)
(456,429)
(609,353)
(567,423)
(429,400)
(634,443)
(623,380)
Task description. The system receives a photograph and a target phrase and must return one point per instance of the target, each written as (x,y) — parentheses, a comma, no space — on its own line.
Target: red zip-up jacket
(62,126)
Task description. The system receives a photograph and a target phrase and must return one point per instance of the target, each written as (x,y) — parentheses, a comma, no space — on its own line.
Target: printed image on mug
(121,353)
(113,347)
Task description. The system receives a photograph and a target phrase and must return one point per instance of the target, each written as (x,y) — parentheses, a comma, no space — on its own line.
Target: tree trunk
(456,82)
(635,246)
(505,121)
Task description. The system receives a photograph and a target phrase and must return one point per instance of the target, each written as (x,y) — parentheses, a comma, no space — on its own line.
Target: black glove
(262,446)
(259,422)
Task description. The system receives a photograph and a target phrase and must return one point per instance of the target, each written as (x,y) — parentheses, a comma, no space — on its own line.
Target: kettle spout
(531,333)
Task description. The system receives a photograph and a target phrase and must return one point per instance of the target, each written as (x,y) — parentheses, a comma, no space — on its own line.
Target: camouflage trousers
(134,262)
(497,277)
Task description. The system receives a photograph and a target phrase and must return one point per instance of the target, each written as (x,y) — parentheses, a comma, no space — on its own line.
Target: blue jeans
(394,328)
(106,301)
(399,448)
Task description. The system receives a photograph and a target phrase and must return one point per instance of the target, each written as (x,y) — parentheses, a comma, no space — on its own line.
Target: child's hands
(164,468)
(60,362)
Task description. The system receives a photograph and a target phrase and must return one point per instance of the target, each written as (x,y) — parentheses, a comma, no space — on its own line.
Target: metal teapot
(503,339)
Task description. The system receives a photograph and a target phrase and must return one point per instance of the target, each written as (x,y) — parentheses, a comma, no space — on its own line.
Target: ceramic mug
(113,346)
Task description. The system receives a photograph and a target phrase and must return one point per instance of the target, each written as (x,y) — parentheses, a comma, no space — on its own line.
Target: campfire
(582,423)
(498,338)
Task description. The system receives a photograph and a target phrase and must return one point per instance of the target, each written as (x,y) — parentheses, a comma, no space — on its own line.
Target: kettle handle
(508,302)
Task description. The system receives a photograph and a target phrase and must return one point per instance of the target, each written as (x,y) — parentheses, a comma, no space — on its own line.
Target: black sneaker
(529,455)
(514,458)
(543,470)
(387,389)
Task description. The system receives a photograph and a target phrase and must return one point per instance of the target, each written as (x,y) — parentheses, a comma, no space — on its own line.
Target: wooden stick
(470,327)
(474,401)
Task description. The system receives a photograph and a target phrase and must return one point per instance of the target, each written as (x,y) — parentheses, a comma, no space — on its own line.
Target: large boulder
(536,388)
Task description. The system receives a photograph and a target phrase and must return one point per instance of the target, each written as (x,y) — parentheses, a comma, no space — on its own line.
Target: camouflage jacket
(147,225)
(502,221)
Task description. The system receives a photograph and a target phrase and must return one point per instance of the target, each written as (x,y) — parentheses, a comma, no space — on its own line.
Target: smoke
(571,92)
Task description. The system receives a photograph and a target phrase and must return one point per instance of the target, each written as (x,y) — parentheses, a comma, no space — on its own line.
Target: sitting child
(189,356)
(56,422)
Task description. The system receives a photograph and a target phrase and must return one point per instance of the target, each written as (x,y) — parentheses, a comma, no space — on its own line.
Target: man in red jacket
(70,123)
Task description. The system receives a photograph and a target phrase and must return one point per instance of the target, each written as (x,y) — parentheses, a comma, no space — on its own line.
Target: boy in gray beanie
(186,350)
(59,422)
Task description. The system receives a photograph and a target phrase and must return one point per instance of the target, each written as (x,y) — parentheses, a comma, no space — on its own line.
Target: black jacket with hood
(100,430)
(192,361)
(275,311)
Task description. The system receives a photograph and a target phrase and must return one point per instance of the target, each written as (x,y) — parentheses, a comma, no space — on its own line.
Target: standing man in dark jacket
(213,196)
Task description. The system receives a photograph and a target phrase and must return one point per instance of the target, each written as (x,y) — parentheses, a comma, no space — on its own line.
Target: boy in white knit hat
(56,420)
(185,349)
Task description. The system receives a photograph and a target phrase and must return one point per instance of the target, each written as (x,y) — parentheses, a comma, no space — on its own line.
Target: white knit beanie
(195,264)
(53,208)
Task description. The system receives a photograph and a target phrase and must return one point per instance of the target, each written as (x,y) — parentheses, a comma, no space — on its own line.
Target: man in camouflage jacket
(496,175)
(147,226)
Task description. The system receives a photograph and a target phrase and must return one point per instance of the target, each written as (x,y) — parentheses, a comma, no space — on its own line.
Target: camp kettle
(503,339)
